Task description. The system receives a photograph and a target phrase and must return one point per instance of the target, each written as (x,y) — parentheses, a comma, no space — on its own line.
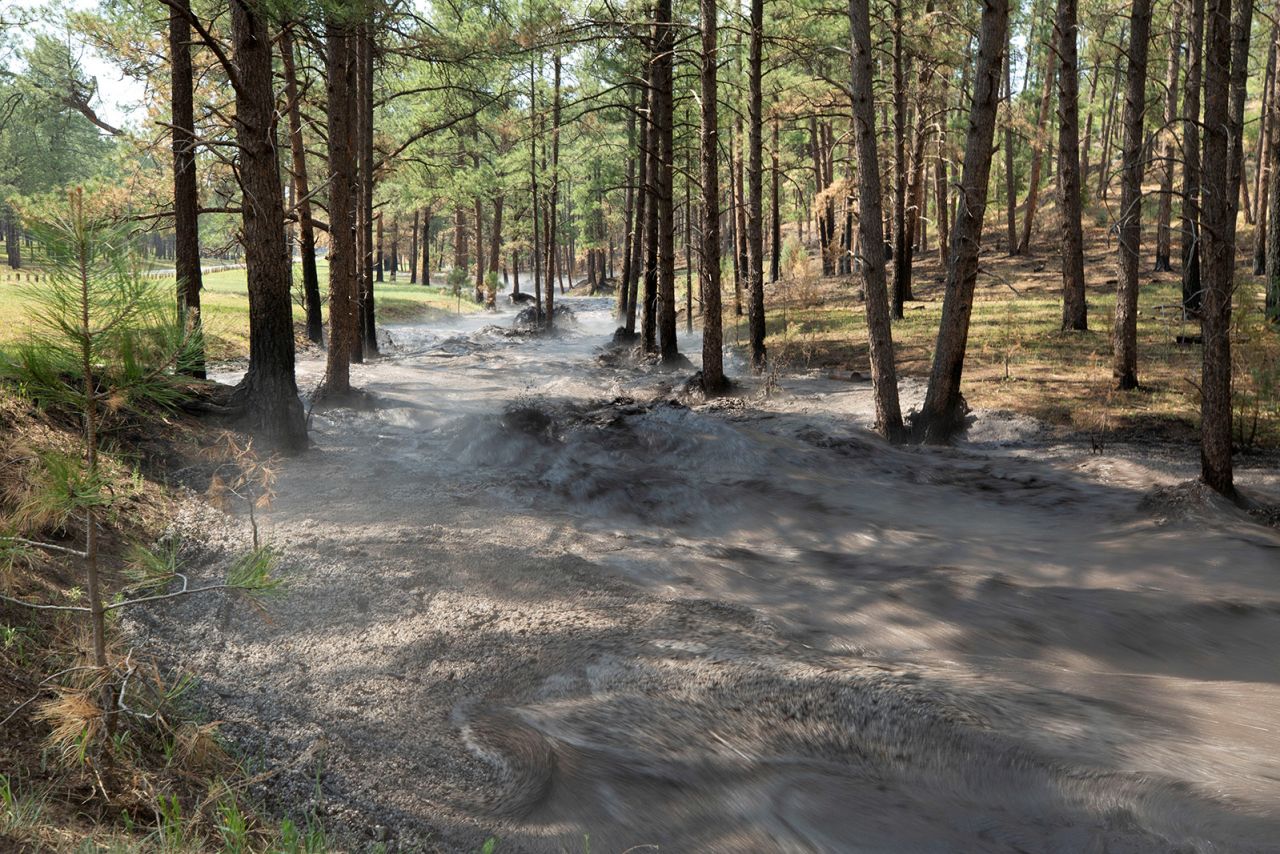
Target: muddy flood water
(534,596)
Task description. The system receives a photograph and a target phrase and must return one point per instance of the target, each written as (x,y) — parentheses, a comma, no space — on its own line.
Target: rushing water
(538,592)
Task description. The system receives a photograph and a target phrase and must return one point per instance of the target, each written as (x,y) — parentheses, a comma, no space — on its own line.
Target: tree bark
(186,193)
(755,188)
(1226,76)
(302,191)
(1164,231)
(901,239)
(364,111)
(628,215)
(343,201)
(1010,182)
(871,235)
(413,249)
(549,239)
(1273,205)
(1124,336)
(1074,310)
(638,242)
(269,391)
(943,411)
(1191,292)
(775,208)
(1266,165)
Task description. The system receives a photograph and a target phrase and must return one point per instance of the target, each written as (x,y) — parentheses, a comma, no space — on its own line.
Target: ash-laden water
(540,592)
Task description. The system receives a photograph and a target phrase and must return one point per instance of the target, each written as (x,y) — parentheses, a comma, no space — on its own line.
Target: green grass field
(225,305)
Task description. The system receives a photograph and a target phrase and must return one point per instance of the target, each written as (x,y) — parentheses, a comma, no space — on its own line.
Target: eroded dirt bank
(531,597)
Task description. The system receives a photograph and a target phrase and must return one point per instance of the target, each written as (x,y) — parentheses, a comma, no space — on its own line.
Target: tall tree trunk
(1264,162)
(1074,310)
(426,247)
(413,249)
(1037,152)
(1273,205)
(775,207)
(1010,182)
(735,208)
(495,236)
(901,238)
(884,378)
(638,253)
(942,188)
(365,112)
(534,206)
(1164,231)
(664,38)
(186,193)
(755,188)
(380,257)
(343,201)
(393,260)
(269,392)
(1124,337)
(549,239)
(1226,75)
(628,215)
(943,411)
(1191,292)
(302,191)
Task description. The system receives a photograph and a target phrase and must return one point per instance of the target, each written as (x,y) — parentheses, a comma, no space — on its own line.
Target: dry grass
(1018,358)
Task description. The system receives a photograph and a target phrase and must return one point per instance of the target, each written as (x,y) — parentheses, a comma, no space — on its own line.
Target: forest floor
(1020,361)
(537,592)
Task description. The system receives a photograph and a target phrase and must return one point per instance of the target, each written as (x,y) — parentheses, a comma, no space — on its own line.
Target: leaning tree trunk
(1164,232)
(1074,310)
(1191,295)
(302,190)
(1226,70)
(943,411)
(343,200)
(186,193)
(268,393)
(1124,336)
(755,188)
(884,378)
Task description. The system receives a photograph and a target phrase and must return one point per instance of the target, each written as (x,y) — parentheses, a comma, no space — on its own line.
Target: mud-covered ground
(533,595)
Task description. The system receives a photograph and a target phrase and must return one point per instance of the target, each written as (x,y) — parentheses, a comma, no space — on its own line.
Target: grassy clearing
(225,304)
